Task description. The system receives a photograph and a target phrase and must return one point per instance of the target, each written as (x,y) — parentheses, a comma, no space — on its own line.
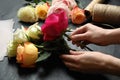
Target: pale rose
(41,10)
(12,49)
(77,16)
(19,36)
(27,54)
(58,6)
(34,31)
(70,3)
(27,14)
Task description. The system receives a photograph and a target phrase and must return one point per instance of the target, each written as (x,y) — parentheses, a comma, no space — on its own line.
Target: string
(105,13)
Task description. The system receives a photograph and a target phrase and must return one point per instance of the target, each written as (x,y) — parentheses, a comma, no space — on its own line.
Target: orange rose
(27,54)
(41,10)
(77,15)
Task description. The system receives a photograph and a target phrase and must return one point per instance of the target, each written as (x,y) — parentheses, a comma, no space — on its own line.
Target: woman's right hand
(91,34)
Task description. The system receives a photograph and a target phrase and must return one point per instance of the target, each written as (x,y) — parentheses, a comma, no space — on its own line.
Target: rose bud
(34,31)
(27,14)
(12,49)
(19,36)
(27,54)
(41,10)
(77,15)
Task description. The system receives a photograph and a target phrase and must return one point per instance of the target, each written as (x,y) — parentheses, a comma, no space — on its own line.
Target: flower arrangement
(41,10)
(37,43)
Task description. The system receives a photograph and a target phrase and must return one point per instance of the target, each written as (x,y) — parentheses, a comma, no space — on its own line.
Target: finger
(79,37)
(75,42)
(75,52)
(68,58)
(79,30)
(79,44)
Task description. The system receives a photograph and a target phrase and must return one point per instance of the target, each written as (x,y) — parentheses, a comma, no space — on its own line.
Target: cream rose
(27,14)
(12,49)
(19,36)
(34,31)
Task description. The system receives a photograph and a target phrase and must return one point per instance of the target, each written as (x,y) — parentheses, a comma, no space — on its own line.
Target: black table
(52,68)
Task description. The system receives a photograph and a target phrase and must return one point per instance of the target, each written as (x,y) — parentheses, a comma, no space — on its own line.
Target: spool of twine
(92,3)
(109,14)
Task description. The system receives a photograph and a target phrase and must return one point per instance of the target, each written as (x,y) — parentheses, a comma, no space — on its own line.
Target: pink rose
(70,3)
(55,25)
(57,6)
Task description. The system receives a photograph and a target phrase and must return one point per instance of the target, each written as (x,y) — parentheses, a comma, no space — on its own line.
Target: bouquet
(36,43)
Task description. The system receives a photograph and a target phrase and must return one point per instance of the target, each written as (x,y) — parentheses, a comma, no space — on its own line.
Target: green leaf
(36,1)
(44,0)
(43,56)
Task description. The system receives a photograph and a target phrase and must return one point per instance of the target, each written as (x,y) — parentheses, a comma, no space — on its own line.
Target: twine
(109,14)
(92,3)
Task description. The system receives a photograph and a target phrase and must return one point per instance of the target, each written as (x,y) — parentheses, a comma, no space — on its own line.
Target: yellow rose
(77,15)
(27,54)
(41,10)
(27,14)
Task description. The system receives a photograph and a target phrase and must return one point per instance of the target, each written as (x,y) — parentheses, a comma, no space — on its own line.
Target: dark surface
(52,68)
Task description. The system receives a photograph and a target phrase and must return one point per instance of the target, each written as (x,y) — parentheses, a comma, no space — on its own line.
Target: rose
(69,3)
(57,6)
(55,24)
(27,14)
(41,10)
(77,15)
(19,36)
(12,49)
(27,54)
(34,31)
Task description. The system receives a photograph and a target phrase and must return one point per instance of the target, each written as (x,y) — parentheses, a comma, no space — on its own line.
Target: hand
(85,61)
(91,34)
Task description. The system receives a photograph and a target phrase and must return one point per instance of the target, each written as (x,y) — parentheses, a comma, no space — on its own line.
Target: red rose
(55,24)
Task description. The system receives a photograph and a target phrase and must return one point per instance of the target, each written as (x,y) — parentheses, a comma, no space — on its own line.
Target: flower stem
(88,48)
(81,45)
(67,36)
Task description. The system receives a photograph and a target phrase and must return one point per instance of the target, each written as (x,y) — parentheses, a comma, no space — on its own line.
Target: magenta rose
(55,24)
